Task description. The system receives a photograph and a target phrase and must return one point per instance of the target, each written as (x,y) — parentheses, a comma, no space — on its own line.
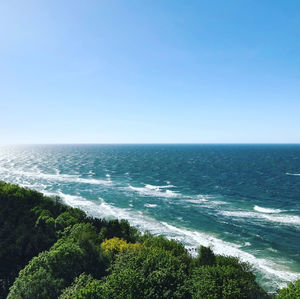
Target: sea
(241,200)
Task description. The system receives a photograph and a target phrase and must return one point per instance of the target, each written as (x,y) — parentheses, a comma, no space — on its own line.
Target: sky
(160,71)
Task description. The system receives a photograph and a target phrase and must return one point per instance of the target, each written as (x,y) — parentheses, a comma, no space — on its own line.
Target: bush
(224,282)
(291,291)
(47,274)
(206,256)
(77,288)
(115,245)
(146,273)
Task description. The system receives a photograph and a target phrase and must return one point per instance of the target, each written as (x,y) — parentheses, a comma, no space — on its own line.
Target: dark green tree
(206,256)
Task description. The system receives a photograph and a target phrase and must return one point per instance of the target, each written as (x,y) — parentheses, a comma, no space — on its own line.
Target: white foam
(196,201)
(284,219)
(70,178)
(75,201)
(153,187)
(171,193)
(280,218)
(296,174)
(266,210)
(205,201)
(155,192)
(275,272)
(150,205)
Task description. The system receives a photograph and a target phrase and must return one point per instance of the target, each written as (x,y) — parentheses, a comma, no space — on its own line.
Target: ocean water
(242,200)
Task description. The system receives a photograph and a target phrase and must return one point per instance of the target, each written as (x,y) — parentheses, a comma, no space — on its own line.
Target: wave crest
(267,210)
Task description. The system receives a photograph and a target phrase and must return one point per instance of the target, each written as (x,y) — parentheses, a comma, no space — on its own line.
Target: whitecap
(70,178)
(204,201)
(75,200)
(296,174)
(279,218)
(153,187)
(266,210)
(196,201)
(172,193)
(156,192)
(150,205)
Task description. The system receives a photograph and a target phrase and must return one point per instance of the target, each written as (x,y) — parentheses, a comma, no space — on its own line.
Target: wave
(282,218)
(150,205)
(153,187)
(274,273)
(296,174)
(155,192)
(69,178)
(267,210)
(206,201)
(196,201)
(163,192)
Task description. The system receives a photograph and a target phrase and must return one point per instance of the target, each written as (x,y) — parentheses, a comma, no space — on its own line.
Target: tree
(48,273)
(291,291)
(206,256)
(146,273)
(79,288)
(53,270)
(224,282)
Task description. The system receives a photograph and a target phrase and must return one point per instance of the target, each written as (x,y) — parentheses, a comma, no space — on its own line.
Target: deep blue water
(242,200)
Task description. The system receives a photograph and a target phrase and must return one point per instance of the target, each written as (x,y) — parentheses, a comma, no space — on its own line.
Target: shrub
(115,245)
(291,291)
(146,273)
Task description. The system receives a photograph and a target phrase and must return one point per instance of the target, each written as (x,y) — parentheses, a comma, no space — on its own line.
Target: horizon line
(155,143)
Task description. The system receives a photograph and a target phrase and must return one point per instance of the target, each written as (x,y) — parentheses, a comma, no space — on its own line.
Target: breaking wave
(280,218)
(267,210)
(69,178)
(155,191)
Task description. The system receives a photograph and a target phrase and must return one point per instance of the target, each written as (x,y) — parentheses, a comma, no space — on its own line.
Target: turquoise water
(242,200)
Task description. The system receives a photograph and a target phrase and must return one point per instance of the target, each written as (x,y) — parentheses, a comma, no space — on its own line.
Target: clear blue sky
(149,71)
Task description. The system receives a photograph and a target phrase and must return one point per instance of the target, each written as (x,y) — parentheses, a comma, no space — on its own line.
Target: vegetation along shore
(50,250)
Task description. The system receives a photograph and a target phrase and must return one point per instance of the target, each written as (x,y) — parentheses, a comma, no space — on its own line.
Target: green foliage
(84,286)
(31,223)
(64,220)
(224,282)
(66,259)
(206,256)
(291,291)
(120,229)
(175,248)
(27,228)
(56,268)
(63,253)
(146,273)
